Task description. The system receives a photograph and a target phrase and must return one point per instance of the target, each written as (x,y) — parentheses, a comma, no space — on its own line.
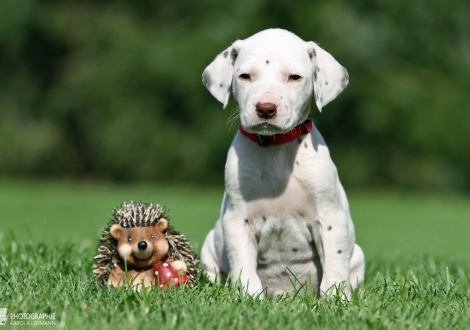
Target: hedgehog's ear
(116,231)
(161,224)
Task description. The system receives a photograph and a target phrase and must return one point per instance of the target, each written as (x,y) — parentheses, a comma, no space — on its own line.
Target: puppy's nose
(266,110)
(142,245)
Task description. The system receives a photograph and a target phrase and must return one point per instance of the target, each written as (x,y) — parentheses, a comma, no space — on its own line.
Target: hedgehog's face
(141,247)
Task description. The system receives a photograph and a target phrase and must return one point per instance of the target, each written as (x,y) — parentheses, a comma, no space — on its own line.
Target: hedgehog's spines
(138,214)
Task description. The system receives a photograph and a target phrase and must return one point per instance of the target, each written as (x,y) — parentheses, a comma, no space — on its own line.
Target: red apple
(166,276)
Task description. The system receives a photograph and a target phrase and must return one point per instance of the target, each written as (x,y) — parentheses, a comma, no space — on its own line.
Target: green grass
(417,250)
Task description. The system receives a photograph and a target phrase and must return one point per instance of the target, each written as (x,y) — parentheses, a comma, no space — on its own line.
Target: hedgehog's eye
(152,237)
(129,239)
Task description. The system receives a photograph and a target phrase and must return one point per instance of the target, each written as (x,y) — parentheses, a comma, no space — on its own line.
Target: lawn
(416,245)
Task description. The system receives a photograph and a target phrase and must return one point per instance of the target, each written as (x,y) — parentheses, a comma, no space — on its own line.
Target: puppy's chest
(281,220)
(277,173)
(280,216)
(282,238)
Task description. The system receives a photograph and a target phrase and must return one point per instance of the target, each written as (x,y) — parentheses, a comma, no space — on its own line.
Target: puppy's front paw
(252,285)
(336,288)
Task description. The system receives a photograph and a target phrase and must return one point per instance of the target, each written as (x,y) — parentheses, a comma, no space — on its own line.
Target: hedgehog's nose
(142,245)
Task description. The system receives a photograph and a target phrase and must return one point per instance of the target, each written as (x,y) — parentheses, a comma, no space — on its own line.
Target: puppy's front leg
(242,251)
(334,237)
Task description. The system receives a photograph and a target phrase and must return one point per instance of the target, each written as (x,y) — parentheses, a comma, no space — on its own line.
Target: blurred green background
(107,95)
(112,89)
(388,224)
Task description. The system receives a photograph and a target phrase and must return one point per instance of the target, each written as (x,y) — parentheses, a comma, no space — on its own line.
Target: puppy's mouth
(264,128)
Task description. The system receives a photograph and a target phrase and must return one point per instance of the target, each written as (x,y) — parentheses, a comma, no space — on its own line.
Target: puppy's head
(274,75)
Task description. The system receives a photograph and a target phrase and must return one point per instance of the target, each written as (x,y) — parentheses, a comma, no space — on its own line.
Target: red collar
(264,140)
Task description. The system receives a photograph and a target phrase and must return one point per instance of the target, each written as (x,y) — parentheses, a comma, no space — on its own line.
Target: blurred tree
(112,89)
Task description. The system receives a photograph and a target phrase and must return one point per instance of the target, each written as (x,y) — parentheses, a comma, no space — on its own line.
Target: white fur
(284,210)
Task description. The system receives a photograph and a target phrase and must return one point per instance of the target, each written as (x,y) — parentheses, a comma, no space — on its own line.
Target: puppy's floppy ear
(329,77)
(218,75)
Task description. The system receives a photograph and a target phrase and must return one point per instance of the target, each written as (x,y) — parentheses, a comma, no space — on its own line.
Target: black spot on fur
(267,62)
(234,54)
(339,251)
(221,85)
(326,83)
(264,218)
(225,54)
(261,257)
(246,220)
(295,250)
(314,53)
(315,76)
(299,140)
(206,79)
(329,227)
(305,144)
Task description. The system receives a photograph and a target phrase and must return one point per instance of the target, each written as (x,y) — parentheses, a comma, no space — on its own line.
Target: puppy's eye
(129,239)
(294,77)
(244,76)
(152,237)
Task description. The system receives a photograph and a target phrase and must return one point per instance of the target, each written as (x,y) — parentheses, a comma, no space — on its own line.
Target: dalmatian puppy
(285,216)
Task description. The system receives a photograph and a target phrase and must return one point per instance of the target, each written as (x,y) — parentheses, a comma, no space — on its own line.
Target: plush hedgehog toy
(140,235)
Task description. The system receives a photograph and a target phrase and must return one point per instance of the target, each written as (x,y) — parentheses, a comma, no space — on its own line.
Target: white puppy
(284,211)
